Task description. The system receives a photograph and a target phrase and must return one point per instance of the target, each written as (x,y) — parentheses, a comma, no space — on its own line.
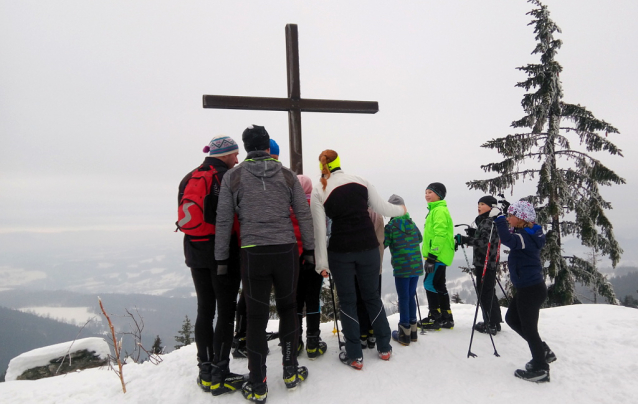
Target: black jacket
(200,251)
(484,226)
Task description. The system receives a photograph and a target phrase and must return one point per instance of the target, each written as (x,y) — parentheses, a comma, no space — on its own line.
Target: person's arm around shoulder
(382,207)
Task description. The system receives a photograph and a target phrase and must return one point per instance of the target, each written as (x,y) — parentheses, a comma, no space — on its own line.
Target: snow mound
(42,356)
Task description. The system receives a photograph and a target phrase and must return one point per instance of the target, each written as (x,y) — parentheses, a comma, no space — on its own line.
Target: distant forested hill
(21,332)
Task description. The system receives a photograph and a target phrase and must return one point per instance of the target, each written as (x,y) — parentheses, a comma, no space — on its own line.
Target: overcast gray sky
(101,102)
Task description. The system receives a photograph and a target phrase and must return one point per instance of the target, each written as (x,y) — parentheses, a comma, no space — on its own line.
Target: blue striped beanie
(221,146)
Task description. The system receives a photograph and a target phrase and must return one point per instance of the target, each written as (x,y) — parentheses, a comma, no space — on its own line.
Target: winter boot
(257,392)
(402,336)
(372,340)
(364,341)
(550,357)
(294,375)
(385,355)
(432,321)
(353,363)
(447,321)
(414,335)
(486,328)
(203,380)
(533,375)
(315,347)
(223,381)
(239,347)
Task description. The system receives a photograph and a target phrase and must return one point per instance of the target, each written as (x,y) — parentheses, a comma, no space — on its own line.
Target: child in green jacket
(438,248)
(404,238)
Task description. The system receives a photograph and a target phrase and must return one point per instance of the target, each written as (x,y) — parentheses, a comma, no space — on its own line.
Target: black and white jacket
(345,201)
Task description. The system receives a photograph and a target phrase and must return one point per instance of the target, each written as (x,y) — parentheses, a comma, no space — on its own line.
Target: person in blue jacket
(526,273)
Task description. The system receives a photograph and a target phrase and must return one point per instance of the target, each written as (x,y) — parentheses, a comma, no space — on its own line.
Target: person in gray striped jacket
(261,191)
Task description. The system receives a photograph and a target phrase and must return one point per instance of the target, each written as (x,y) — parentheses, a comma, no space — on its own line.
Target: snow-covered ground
(595,345)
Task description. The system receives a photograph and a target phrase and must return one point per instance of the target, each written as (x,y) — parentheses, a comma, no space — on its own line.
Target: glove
(428,266)
(505,205)
(495,212)
(308,257)
(222,267)
(471,231)
(461,240)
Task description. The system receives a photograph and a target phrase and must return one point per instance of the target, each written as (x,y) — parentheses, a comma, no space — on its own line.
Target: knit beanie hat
(305,181)
(274,147)
(489,200)
(221,146)
(522,210)
(255,138)
(438,189)
(396,200)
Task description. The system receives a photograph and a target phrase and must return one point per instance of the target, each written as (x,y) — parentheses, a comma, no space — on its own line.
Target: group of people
(264,227)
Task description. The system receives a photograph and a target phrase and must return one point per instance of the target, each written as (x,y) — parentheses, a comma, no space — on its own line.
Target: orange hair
(326,156)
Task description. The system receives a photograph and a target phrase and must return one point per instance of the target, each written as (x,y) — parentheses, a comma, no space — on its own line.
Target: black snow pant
(436,291)
(363,265)
(215,291)
(240,317)
(365,328)
(522,315)
(308,294)
(489,302)
(263,267)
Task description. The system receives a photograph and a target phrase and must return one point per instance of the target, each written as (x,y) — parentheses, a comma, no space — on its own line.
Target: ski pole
(416,296)
(334,310)
(487,256)
(503,290)
(469,267)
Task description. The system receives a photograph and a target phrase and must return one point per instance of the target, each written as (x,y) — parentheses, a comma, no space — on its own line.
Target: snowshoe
(223,381)
(293,376)
(372,341)
(534,375)
(315,347)
(204,377)
(239,348)
(255,392)
(486,328)
(430,323)
(353,363)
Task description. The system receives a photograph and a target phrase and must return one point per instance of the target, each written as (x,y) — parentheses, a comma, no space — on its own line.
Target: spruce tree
(567,198)
(184,337)
(157,347)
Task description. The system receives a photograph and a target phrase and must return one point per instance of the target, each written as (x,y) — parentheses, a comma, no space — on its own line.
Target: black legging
(221,292)
(522,316)
(263,267)
(308,291)
(489,302)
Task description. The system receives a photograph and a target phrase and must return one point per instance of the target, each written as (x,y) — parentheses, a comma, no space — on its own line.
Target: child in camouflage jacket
(404,239)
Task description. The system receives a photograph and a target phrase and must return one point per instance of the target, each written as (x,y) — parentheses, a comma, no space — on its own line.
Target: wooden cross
(294,104)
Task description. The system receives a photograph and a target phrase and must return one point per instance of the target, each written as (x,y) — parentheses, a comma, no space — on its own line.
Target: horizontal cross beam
(288,104)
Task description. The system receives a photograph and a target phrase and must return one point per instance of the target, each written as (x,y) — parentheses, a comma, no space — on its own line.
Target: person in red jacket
(308,290)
